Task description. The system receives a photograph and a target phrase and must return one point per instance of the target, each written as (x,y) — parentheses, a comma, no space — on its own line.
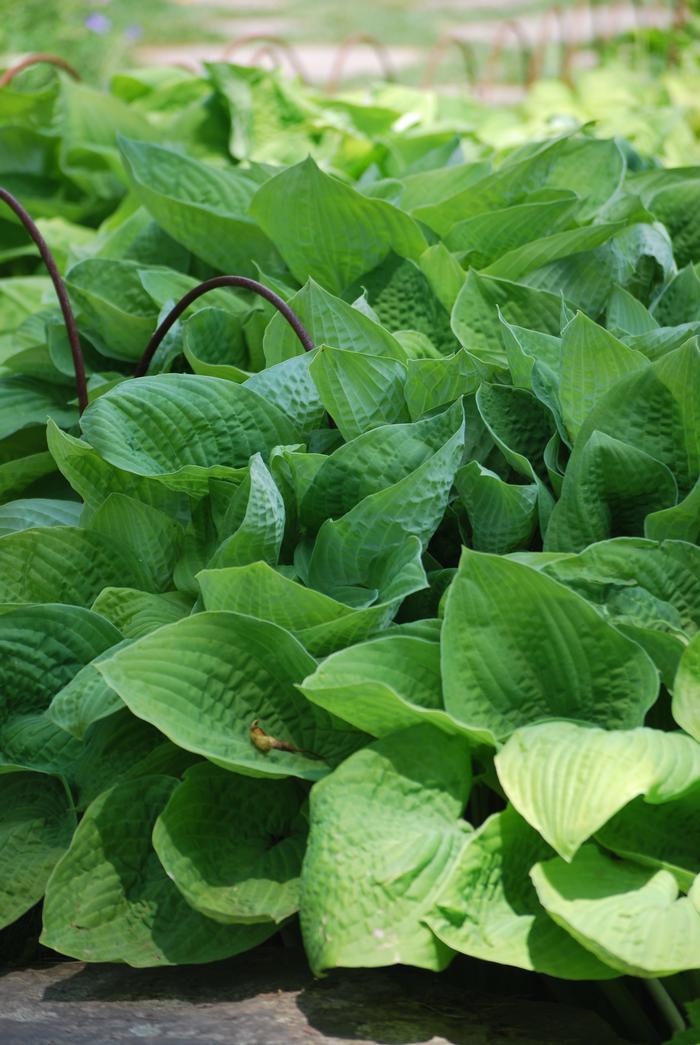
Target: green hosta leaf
(502,517)
(568,780)
(488,908)
(370,463)
(86,698)
(608,490)
(657,410)
(592,169)
(89,121)
(401,297)
(36,826)
(521,261)
(117,312)
(289,386)
(518,647)
(443,272)
(325,229)
(25,401)
(360,392)
(38,511)
(686,690)
(490,235)
(681,522)
(475,316)
(94,479)
(258,535)
(121,746)
(20,297)
(348,551)
(320,623)
(436,183)
(61,564)
(204,208)
(43,648)
(19,474)
(165,285)
(678,207)
(230,680)
(626,314)
(270,120)
(431,383)
(664,836)
(679,301)
(383,686)
(214,345)
(592,360)
(152,538)
(33,741)
(109,898)
(385,832)
(330,321)
(136,613)
(669,572)
(183,429)
(520,424)
(628,916)
(532,357)
(234,845)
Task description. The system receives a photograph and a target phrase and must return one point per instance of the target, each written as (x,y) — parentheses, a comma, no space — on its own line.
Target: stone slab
(269,997)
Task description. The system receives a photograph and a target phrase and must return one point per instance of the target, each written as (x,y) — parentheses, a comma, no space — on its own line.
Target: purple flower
(98,23)
(133,32)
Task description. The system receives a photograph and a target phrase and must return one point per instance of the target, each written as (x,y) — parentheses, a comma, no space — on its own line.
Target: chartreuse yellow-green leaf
(629,916)
(660,836)
(384,685)
(488,907)
(567,780)
(204,680)
(109,898)
(385,833)
(233,845)
(686,690)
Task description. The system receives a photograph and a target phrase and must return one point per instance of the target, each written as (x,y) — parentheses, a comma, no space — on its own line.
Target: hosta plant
(373,596)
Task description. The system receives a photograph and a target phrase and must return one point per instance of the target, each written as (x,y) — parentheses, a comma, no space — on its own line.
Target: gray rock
(270,998)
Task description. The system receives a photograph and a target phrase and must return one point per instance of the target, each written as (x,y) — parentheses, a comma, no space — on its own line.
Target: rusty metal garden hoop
(346,47)
(438,53)
(270,44)
(515,30)
(38,59)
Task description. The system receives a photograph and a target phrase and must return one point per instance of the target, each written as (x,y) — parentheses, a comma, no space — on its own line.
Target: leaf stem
(61,293)
(665,1004)
(38,59)
(213,284)
(628,1010)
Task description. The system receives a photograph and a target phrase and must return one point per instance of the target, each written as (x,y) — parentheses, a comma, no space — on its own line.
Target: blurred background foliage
(100,36)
